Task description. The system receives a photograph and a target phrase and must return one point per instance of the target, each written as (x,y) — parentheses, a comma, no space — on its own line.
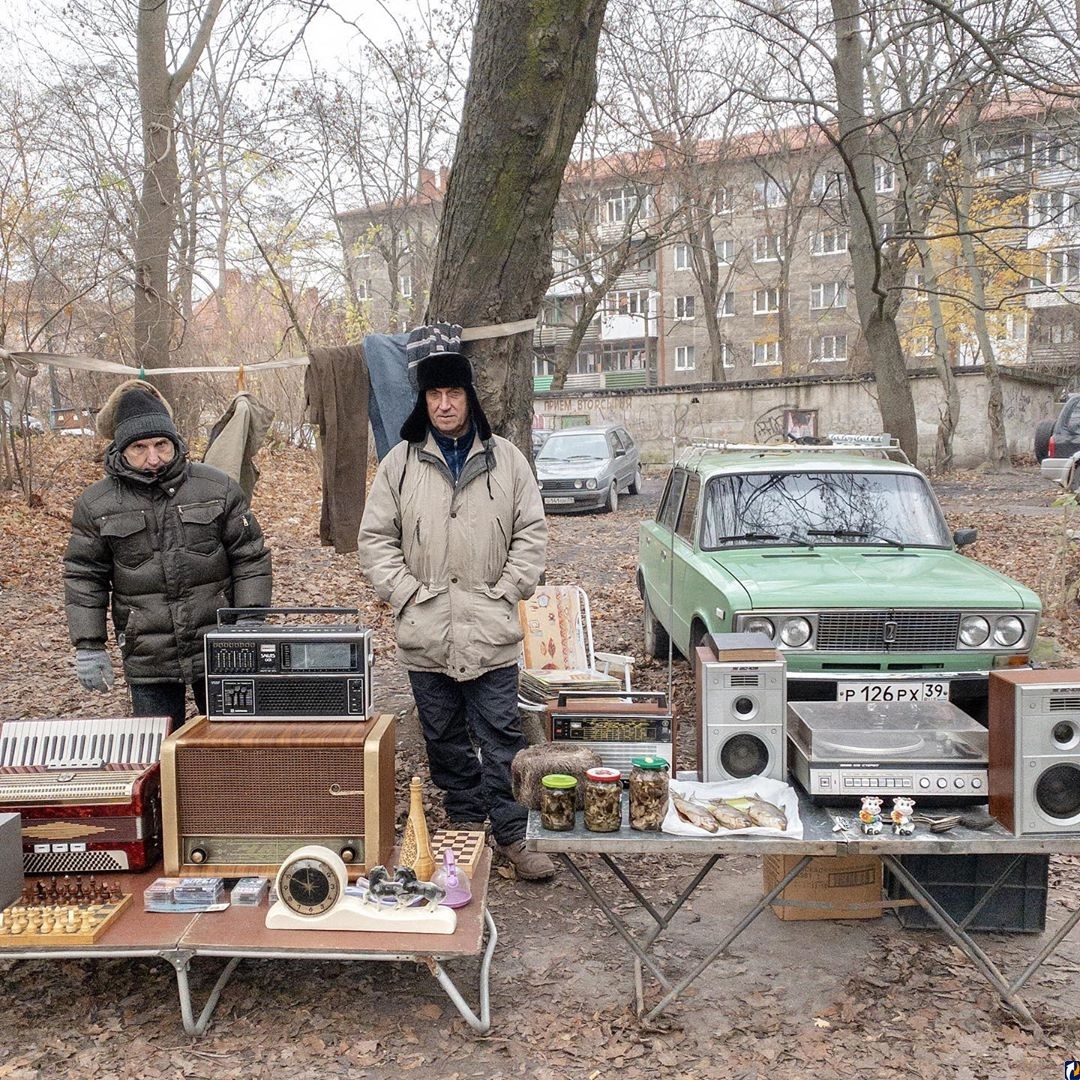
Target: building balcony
(626,327)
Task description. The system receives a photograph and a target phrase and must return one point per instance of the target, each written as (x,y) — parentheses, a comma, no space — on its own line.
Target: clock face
(309,886)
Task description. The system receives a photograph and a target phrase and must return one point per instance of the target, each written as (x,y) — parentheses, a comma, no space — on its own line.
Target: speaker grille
(271,790)
(302,697)
(744,755)
(1063,704)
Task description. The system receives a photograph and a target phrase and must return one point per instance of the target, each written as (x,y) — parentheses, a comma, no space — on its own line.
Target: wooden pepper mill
(416,844)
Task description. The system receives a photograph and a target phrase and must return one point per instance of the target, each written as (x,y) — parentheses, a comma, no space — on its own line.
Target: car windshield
(574,448)
(819,508)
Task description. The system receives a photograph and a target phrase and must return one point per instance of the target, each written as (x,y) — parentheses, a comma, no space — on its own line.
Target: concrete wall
(755,412)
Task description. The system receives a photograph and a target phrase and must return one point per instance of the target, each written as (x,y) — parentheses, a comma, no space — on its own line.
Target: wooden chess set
(61,912)
(466,846)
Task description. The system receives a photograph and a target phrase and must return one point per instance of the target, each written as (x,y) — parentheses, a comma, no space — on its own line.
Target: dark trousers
(166,699)
(472,731)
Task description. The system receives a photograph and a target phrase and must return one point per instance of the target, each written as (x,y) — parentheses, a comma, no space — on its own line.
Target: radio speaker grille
(302,697)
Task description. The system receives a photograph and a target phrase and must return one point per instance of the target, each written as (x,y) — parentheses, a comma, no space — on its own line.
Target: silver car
(586,468)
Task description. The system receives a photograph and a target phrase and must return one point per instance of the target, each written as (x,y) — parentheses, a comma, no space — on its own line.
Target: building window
(405,285)
(682,260)
(684,307)
(766,351)
(1000,157)
(363,289)
(829,241)
(1057,209)
(922,344)
(768,193)
(627,302)
(766,301)
(722,201)
(828,294)
(1063,266)
(1054,151)
(562,261)
(725,304)
(767,248)
(727,354)
(884,178)
(725,252)
(828,347)
(684,358)
(623,204)
(828,184)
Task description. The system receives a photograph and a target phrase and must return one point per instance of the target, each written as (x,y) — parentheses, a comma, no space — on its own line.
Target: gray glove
(94,669)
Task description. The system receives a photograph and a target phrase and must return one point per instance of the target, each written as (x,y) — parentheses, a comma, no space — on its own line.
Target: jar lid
(604,776)
(558,781)
(649,762)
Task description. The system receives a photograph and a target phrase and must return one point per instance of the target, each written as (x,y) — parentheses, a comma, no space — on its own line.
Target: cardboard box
(849,886)
(11,859)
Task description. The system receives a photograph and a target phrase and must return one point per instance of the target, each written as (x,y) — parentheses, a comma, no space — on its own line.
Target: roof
(842,453)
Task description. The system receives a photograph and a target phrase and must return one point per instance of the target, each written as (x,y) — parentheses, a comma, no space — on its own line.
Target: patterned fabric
(554,630)
(436,338)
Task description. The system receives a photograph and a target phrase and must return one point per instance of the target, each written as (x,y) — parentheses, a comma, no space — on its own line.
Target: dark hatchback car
(1063,447)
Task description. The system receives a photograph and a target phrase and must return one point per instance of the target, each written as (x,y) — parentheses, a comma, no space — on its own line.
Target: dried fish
(694,813)
(766,814)
(729,816)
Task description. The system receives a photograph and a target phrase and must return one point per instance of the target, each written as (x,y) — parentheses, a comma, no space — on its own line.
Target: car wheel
(657,642)
(635,484)
(612,503)
(698,633)
(1043,430)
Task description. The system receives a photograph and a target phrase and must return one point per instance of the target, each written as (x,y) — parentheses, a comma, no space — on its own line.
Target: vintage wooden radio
(237,798)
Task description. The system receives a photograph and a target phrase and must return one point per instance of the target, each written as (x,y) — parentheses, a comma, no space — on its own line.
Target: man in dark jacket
(170,541)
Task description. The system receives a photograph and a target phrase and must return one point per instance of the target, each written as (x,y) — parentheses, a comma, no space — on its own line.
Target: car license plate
(881,690)
(558,500)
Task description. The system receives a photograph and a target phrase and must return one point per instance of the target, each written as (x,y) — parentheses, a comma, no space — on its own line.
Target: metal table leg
(963,940)
(482,1023)
(181,961)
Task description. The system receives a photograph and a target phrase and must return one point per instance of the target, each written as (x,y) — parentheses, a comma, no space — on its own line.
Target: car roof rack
(877,446)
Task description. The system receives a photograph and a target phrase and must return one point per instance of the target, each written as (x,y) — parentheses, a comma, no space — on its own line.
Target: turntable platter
(875,743)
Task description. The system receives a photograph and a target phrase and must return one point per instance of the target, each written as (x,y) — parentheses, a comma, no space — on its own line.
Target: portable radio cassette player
(309,671)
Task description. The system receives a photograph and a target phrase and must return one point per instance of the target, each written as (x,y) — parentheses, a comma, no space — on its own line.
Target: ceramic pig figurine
(870,815)
(902,809)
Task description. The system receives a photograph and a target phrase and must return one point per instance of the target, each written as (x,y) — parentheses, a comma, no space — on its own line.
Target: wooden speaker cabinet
(1034,752)
(237,798)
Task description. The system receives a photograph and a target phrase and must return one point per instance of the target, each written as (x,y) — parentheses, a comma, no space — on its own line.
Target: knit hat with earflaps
(140,415)
(437,363)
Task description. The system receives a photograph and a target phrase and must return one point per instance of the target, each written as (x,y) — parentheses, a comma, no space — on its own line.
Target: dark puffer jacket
(171,550)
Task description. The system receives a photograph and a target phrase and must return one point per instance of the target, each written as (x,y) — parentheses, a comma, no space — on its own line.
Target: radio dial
(198,855)
(348,854)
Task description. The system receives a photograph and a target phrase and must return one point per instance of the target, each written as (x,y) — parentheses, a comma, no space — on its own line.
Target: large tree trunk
(877,294)
(531,81)
(154,307)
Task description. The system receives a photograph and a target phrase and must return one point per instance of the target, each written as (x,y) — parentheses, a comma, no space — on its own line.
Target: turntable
(931,751)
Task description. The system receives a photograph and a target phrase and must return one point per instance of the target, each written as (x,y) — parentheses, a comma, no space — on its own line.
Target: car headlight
(591,483)
(578,484)
(795,632)
(974,630)
(1008,630)
(758,624)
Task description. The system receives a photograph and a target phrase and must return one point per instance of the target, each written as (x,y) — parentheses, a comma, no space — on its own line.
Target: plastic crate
(959,883)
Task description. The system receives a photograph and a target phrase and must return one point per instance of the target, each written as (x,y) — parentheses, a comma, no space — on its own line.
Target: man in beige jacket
(452,537)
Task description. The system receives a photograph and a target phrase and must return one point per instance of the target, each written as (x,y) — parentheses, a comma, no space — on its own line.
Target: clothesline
(93,363)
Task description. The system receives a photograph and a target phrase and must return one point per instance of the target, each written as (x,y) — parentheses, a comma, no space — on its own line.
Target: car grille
(888,631)
(558,485)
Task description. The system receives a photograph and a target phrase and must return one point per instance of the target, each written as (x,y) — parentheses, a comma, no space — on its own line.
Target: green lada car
(842,557)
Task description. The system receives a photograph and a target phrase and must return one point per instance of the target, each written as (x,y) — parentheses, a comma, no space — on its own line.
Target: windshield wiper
(855,534)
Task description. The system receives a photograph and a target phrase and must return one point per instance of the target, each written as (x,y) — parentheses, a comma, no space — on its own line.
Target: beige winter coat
(453,561)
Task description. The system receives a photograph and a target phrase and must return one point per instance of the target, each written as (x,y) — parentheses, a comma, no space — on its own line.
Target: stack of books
(542,685)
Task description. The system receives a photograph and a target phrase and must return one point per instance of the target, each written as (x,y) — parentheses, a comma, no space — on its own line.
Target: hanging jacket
(453,560)
(168,551)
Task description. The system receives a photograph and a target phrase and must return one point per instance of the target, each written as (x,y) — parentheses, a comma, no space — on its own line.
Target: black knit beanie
(140,415)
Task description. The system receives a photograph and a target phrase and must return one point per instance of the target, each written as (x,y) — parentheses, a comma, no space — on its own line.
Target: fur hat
(136,410)
(437,363)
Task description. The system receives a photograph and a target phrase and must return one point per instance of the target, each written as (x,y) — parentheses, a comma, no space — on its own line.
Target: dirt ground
(859,999)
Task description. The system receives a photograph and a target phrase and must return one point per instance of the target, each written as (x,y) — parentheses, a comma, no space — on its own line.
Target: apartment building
(734,264)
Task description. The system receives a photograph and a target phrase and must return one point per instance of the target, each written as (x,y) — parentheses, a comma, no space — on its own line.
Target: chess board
(466,846)
(62,925)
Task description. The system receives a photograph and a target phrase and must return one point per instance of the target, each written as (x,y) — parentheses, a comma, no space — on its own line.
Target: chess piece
(416,844)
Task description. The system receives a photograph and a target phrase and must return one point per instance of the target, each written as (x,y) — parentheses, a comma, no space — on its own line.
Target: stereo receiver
(618,725)
(255,671)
